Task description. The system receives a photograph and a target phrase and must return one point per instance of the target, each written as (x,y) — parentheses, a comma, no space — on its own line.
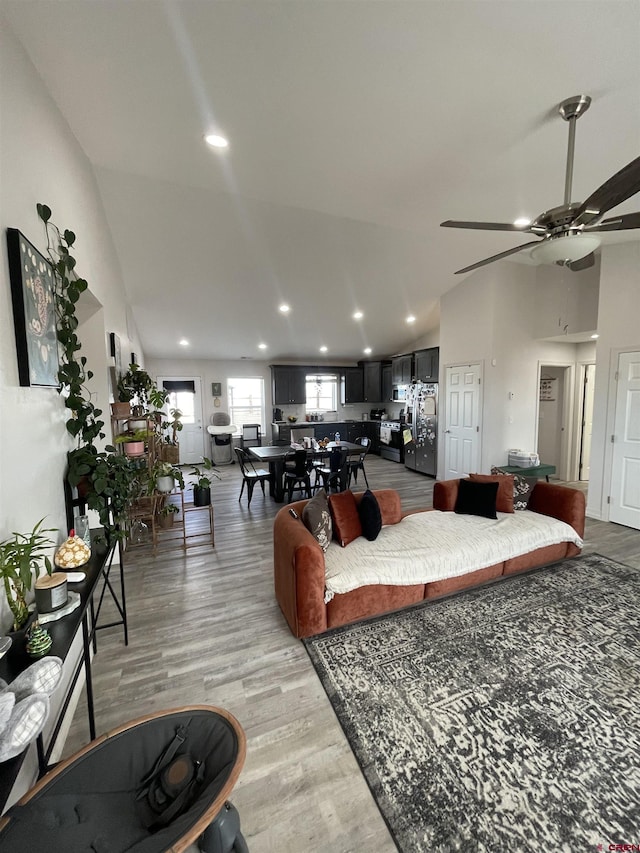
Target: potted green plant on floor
(21,560)
(205,475)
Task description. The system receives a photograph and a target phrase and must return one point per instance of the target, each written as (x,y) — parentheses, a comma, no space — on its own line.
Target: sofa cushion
(317,518)
(345,516)
(522,487)
(504,500)
(370,516)
(476,498)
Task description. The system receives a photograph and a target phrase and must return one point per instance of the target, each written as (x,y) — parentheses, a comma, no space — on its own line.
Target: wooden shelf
(148,509)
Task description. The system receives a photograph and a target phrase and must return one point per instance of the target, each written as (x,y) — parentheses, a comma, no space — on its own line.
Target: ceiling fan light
(569,247)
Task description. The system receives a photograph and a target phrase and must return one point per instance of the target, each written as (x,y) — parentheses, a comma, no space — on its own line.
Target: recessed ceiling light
(216,141)
(262,346)
(358,315)
(411,319)
(284,308)
(323,349)
(183,342)
(367,351)
(593,337)
(522,222)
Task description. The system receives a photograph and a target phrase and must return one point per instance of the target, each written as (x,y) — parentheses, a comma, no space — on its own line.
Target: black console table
(63,632)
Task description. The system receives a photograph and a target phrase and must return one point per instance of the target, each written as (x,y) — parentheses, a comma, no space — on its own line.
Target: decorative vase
(121,410)
(17,653)
(201,495)
(134,448)
(165,484)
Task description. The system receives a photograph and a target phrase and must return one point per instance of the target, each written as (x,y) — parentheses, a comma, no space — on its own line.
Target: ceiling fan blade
(617,189)
(582,263)
(499,256)
(484,226)
(617,223)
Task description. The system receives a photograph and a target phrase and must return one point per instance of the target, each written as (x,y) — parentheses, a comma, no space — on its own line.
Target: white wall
(619,329)
(41,161)
(490,318)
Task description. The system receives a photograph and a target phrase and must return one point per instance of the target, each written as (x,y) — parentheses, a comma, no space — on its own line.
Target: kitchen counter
(283,432)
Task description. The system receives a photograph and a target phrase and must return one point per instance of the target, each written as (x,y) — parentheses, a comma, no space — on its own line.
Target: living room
(492,316)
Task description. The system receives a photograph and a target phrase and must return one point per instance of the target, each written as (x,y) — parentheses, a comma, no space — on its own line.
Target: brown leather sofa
(299,571)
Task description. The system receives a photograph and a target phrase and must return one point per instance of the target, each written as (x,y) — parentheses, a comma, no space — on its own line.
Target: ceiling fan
(568,231)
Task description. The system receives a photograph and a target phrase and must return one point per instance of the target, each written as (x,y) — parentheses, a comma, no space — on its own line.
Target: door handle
(447,430)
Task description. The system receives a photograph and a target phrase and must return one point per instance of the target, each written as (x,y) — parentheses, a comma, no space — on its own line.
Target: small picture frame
(216,389)
(33,295)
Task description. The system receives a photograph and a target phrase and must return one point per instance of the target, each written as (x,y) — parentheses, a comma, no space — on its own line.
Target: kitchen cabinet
(402,369)
(288,385)
(351,385)
(372,379)
(427,364)
(372,430)
(387,383)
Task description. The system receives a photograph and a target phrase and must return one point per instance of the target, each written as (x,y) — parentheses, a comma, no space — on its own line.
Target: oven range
(391,443)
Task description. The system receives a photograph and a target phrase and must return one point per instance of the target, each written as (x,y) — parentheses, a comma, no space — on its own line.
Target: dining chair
(251,436)
(336,474)
(250,474)
(356,463)
(298,478)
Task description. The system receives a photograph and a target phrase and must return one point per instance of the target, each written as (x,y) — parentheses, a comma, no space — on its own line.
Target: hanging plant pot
(121,410)
(134,448)
(165,484)
(201,495)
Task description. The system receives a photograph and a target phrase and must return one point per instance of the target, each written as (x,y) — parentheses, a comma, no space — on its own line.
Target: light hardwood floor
(205,628)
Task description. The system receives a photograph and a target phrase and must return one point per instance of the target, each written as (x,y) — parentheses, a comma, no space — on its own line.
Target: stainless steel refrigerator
(421,451)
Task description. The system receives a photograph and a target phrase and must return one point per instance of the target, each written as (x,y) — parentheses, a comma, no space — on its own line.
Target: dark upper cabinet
(387,383)
(427,363)
(288,385)
(372,378)
(351,385)
(402,369)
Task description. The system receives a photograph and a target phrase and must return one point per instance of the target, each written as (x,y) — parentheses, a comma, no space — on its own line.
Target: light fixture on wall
(565,249)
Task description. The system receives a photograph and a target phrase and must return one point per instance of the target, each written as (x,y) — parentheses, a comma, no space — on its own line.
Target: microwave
(399,393)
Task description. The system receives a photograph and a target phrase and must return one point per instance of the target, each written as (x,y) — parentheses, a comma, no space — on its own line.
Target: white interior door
(625,475)
(587,421)
(189,401)
(462,420)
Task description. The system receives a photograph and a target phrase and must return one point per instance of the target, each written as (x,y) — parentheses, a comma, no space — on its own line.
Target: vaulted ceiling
(354,129)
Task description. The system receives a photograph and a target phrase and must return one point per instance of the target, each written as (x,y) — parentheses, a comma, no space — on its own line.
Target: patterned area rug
(503,718)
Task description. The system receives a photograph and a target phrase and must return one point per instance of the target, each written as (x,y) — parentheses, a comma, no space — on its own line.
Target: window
(322,392)
(182,396)
(246,401)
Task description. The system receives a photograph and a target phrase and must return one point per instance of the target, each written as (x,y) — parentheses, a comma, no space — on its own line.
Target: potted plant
(121,408)
(170,450)
(202,487)
(21,558)
(167,515)
(141,385)
(133,442)
(165,476)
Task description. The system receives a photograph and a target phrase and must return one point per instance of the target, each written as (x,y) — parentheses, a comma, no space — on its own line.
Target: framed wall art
(115,351)
(34,312)
(216,389)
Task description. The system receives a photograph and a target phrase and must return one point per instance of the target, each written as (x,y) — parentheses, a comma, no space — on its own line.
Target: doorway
(185,394)
(462,418)
(554,413)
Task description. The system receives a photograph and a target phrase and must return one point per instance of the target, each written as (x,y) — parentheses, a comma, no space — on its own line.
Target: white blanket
(431,546)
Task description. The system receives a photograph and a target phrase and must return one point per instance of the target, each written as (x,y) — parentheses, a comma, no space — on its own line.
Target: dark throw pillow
(317,518)
(477,499)
(346,520)
(504,501)
(370,516)
(522,488)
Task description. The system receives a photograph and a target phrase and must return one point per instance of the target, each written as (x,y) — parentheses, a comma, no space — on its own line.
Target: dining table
(275,457)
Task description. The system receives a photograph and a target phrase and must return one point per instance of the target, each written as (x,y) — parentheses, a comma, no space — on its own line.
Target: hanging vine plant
(110,477)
